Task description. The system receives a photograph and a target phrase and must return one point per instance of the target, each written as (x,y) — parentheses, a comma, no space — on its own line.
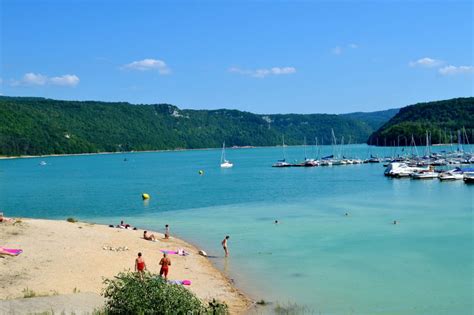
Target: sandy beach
(60,257)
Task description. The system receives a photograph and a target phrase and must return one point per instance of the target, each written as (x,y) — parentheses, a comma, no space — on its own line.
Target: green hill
(443,120)
(374,119)
(36,126)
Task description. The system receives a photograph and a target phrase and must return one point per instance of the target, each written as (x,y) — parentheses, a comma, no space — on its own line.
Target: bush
(72,220)
(127,293)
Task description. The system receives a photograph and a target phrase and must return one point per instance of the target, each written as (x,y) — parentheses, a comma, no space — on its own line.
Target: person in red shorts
(165,262)
(140,265)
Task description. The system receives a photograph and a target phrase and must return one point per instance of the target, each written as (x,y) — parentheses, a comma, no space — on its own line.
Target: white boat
(326,163)
(424,175)
(399,169)
(43,163)
(224,162)
(282,162)
(455,174)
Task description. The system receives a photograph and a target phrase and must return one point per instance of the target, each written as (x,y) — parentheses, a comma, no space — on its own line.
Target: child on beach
(224,245)
(165,262)
(140,265)
(150,237)
(167,231)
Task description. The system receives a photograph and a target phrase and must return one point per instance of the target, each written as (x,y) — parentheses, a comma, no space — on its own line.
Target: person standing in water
(167,231)
(224,245)
(140,265)
(165,262)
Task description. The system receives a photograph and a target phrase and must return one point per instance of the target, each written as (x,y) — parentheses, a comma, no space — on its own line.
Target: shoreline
(12,157)
(60,257)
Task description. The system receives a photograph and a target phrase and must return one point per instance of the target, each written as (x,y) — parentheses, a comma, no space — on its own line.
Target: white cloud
(262,73)
(31,78)
(149,64)
(34,79)
(65,80)
(353,46)
(337,50)
(426,62)
(451,70)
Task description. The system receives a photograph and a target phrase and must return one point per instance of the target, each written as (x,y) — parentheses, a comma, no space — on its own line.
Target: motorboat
(455,174)
(469,177)
(43,163)
(424,175)
(398,169)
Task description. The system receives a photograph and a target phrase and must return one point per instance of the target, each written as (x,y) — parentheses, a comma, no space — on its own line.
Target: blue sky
(258,56)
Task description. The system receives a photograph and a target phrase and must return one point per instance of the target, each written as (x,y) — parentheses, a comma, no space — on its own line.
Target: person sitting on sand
(140,265)
(123,225)
(150,237)
(5,219)
(224,245)
(165,262)
(167,231)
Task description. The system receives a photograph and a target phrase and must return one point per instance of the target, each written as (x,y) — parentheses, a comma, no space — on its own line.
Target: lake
(316,256)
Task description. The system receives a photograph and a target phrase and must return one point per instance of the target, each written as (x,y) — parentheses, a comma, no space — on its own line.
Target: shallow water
(316,256)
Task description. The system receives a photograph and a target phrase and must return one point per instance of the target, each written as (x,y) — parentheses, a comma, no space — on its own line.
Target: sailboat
(283,162)
(224,162)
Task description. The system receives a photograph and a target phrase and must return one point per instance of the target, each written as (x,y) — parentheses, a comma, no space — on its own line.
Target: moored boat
(224,162)
(424,175)
(469,177)
(455,174)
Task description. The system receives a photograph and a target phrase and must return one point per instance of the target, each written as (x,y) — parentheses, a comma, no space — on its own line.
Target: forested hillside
(374,119)
(36,126)
(444,121)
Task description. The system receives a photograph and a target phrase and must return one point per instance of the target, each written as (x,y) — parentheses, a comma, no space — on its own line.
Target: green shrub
(127,293)
(72,220)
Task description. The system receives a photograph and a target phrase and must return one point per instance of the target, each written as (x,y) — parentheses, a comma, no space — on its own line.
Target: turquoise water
(316,256)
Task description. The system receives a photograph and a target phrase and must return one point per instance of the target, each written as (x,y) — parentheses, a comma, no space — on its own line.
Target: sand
(62,258)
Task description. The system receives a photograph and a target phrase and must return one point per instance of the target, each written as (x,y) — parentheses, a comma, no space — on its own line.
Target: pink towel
(10,251)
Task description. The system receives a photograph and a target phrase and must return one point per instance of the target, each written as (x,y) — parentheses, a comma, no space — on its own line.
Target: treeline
(449,121)
(38,126)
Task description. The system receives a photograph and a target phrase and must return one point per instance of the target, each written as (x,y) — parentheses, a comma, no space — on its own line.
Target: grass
(27,293)
(72,220)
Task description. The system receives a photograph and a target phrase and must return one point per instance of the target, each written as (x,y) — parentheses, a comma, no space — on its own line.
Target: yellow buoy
(145,196)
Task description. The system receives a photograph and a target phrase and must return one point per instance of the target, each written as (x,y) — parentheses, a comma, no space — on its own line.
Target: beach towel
(179,252)
(180,282)
(10,251)
(169,252)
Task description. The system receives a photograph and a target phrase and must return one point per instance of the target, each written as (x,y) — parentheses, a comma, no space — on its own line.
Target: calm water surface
(316,256)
